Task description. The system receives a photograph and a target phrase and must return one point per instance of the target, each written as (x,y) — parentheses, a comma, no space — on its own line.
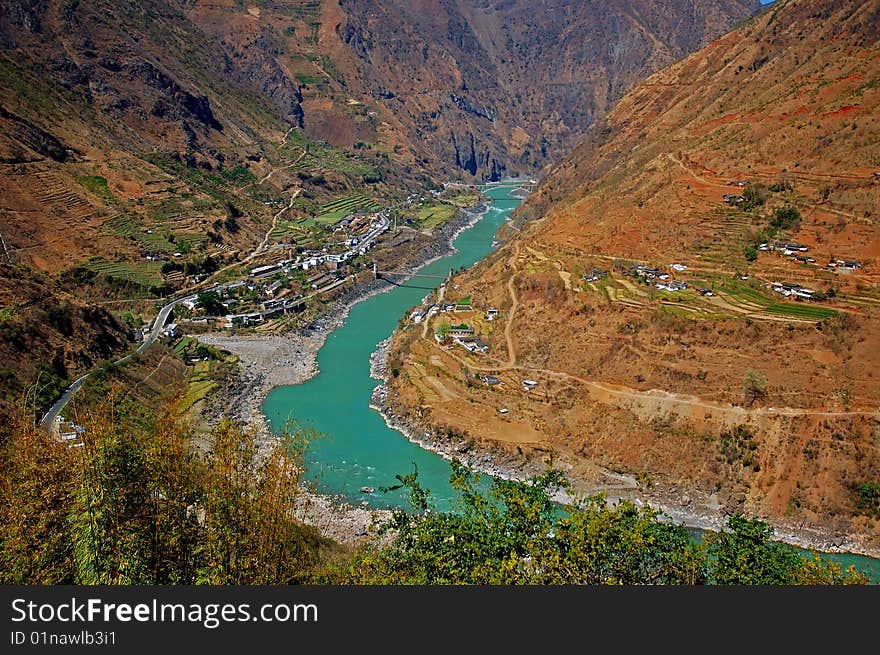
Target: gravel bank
(270,361)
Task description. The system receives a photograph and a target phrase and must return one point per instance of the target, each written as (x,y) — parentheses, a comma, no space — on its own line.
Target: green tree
(233,213)
(111,514)
(750,252)
(38,487)
(745,555)
(514,533)
(754,386)
(443,331)
(753,196)
(176,493)
(143,507)
(251,535)
(210,302)
(868,498)
(785,218)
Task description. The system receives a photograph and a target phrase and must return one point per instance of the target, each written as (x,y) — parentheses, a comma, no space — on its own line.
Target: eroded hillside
(695,292)
(506,88)
(146,147)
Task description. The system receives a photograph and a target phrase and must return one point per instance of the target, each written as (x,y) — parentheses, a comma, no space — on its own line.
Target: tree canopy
(145,508)
(517,534)
(129,508)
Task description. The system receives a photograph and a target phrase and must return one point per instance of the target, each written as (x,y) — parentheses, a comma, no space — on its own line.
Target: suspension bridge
(388,274)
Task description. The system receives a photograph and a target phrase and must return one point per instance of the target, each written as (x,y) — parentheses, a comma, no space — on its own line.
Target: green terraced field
(310,79)
(96,184)
(189,240)
(145,274)
(292,231)
(801,310)
(694,313)
(219,186)
(156,242)
(744,294)
(747,294)
(124,225)
(171,209)
(197,390)
(181,346)
(434,214)
(324,157)
(334,211)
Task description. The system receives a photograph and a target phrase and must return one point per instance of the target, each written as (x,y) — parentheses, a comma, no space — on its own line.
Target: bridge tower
(375,270)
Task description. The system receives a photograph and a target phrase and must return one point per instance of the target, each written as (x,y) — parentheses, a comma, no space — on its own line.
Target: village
(279,288)
(463,325)
(463,330)
(671,280)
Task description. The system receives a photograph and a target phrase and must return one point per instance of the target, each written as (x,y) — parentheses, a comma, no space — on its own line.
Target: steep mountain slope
(46,335)
(112,113)
(139,152)
(643,304)
(144,145)
(507,87)
(124,118)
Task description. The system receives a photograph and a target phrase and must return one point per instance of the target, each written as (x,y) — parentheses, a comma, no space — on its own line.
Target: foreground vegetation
(146,509)
(516,534)
(128,509)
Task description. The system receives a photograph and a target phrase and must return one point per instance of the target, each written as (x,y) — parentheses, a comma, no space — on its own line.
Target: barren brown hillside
(145,145)
(702,384)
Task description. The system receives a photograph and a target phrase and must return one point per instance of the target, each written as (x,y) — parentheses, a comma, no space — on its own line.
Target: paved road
(49,419)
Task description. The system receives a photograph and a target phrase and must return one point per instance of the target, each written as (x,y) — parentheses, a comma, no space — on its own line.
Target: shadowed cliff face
(489,88)
(506,87)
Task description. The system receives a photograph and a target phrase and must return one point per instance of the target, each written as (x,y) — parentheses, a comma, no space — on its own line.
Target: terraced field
(189,240)
(730,300)
(322,157)
(97,184)
(156,240)
(288,231)
(206,191)
(57,197)
(723,237)
(751,300)
(334,211)
(435,214)
(304,10)
(145,274)
(416,378)
(168,212)
(124,225)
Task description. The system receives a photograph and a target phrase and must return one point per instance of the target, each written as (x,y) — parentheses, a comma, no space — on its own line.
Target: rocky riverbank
(290,359)
(270,361)
(674,502)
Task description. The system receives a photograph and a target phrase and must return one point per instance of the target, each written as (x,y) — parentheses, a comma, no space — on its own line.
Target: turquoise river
(357,449)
